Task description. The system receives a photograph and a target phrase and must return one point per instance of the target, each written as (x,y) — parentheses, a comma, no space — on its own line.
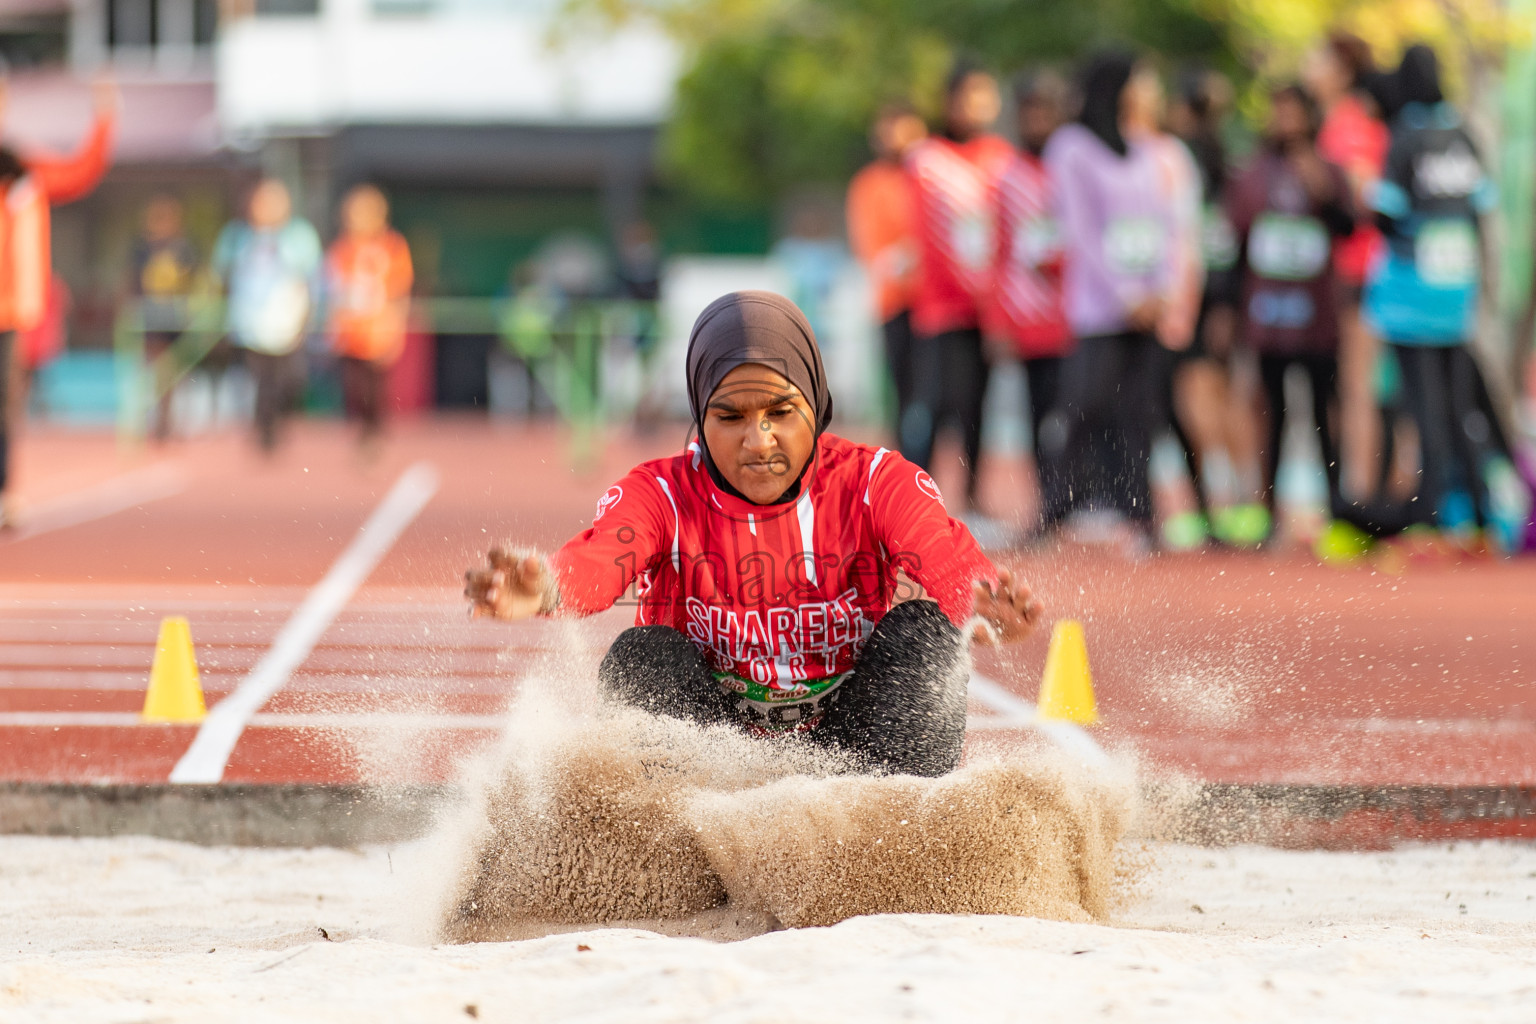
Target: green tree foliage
(778,94)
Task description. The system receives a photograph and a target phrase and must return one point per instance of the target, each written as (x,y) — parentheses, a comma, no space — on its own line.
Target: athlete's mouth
(778,466)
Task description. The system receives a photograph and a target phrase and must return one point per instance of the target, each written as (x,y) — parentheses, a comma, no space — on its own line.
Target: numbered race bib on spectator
(1445,253)
(971,236)
(1285,247)
(1037,242)
(1134,245)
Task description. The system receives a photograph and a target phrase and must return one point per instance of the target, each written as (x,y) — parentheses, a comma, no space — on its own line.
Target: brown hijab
(754,327)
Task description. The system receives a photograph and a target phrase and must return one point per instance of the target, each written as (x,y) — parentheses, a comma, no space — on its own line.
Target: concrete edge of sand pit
(1294,816)
(289,814)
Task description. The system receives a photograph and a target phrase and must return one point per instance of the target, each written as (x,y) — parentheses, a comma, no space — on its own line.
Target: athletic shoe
(1509,501)
(1341,543)
(1242,526)
(1186,531)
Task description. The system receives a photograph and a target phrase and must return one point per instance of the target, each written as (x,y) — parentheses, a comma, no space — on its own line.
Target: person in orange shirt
(29,182)
(883,235)
(368,274)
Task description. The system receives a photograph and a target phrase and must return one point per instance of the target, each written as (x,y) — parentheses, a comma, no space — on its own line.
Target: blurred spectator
(1027,302)
(639,262)
(269,265)
(368,278)
(162,265)
(1182,186)
(812,255)
(883,234)
(1288,207)
(1353,137)
(1212,421)
(31,181)
(639,272)
(1120,229)
(1422,299)
(955,175)
(1141,120)
(22,226)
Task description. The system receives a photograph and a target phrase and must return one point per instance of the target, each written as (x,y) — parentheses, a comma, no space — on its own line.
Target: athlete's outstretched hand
(1009,610)
(516,586)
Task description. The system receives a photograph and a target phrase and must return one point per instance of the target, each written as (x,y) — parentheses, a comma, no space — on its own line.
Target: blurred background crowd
(1207,272)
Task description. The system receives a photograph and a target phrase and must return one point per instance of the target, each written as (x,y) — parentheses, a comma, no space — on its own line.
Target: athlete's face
(974,105)
(1289,122)
(1141,104)
(365,212)
(760,431)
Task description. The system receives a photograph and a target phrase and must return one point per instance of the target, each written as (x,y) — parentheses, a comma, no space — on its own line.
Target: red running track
(1230,668)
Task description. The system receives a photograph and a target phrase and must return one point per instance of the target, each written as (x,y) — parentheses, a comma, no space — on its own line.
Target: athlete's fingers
(475,583)
(983,602)
(501,558)
(529,576)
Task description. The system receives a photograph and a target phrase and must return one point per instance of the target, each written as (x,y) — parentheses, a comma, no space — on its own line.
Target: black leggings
(902,711)
(279,388)
(1457,426)
(1043,376)
(950,385)
(362,390)
(897,333)
(1097,443)
(1323,376)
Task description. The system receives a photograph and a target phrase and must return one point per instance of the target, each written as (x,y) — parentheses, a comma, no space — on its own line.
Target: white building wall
(474,63)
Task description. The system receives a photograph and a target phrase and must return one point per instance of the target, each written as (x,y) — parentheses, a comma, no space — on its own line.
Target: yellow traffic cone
(174,694)
(1066,690)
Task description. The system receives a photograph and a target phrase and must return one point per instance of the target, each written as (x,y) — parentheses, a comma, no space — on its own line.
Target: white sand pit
(622,817)
(138,929)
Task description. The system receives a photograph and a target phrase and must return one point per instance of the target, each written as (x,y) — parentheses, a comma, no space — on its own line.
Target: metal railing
(563,345)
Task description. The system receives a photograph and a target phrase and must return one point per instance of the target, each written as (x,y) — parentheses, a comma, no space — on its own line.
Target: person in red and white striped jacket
(1027,309)
(954,176)
(786,579)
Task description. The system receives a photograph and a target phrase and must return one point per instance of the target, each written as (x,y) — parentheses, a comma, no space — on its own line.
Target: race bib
(1285,247)
(277,325)
(970,235)
(1036,242)
(1134,245)
(1281,308)
(1218,240)
(1445,253)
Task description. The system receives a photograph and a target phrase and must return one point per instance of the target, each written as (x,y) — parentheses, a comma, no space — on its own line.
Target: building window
(132,24)
(205,21)
(29,41)
(148,24)
(288,7)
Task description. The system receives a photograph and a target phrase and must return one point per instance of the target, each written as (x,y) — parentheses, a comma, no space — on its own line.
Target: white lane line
(206,758)
(107,498)
(1012,712)
(266,720)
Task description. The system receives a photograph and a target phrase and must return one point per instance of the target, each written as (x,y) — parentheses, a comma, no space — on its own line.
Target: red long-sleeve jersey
(1027,301)
(772,594)
(953,183)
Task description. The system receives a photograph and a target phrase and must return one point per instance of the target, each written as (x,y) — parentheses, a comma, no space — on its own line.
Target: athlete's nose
(760,436)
